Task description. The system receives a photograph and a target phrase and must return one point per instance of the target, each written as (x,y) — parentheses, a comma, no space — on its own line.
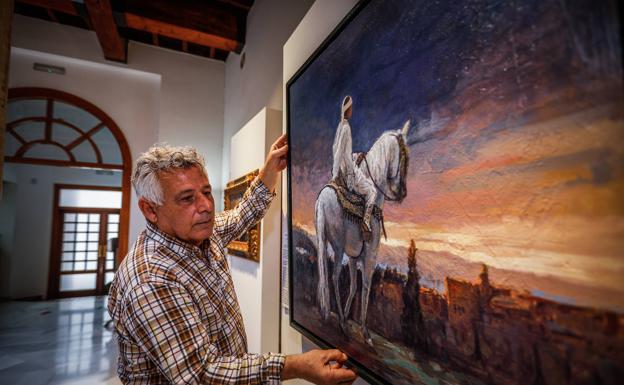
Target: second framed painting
(248,244)
(451,167)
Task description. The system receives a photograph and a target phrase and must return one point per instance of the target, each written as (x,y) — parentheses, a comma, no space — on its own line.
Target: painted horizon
(519,160)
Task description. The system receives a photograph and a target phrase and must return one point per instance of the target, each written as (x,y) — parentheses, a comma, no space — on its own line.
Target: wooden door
(83,250)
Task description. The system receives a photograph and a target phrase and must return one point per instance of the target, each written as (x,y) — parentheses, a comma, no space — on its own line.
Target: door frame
(54,269)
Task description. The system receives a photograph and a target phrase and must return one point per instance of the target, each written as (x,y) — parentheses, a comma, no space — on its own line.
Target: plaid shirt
(175,310)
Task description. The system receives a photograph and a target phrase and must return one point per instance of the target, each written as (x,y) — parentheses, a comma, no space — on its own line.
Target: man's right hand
(319,367)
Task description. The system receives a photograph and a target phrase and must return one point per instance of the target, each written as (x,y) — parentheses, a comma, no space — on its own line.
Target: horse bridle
(403,159)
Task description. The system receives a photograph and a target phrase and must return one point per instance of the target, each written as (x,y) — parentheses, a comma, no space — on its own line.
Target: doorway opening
(85,239)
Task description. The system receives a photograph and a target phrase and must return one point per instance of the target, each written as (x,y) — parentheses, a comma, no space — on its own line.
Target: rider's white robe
(344,167)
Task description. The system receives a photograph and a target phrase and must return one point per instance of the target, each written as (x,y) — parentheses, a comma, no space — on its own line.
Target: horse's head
(398,163)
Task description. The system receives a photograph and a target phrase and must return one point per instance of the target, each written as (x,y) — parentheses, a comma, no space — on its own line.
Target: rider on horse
(344,170)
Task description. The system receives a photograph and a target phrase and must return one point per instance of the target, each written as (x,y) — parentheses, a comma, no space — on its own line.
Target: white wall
(34,204)
(257,284)
(191,103)
(258,84)
(316,25)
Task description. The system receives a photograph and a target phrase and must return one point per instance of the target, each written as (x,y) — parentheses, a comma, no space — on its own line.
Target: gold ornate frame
(248,244)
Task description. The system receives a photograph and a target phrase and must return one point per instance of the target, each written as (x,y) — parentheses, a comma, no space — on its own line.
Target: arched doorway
(55,128)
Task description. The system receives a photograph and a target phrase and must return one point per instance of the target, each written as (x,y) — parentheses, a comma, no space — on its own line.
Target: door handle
(102,251)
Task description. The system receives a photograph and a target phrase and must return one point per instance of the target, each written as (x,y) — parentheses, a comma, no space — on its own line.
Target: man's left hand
(274,163)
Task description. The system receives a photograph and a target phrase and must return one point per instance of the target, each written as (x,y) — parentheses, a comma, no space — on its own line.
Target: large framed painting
(456,184)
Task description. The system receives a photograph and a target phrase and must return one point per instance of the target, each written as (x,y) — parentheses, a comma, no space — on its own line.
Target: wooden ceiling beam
(182,33)
(65,6)
(242,4)
(113,45)
(221,25)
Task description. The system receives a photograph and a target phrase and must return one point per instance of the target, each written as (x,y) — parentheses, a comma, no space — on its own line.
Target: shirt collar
(176,245)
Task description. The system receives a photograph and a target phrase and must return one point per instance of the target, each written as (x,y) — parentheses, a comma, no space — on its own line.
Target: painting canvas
(493,134)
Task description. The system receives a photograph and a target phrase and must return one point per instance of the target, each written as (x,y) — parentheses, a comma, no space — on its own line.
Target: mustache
(204,219)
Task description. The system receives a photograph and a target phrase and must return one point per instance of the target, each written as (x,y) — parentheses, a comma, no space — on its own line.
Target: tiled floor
(57,342)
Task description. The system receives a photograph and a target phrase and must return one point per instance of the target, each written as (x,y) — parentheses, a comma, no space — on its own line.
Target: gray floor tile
(57,342)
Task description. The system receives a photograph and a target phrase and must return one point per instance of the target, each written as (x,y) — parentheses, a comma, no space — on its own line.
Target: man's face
(188,209)
(348,113)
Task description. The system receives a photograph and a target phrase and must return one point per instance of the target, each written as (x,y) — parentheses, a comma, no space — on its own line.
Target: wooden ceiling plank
(101,15)
(65,6)
(182,33)
(242,4)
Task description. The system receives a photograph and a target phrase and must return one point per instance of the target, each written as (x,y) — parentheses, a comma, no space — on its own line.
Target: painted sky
(518,156)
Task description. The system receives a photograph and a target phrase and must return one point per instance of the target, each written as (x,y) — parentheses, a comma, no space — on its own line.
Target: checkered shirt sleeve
(232,223)
(165,323)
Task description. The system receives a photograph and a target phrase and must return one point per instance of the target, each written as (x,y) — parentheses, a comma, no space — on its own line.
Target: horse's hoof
(369,341)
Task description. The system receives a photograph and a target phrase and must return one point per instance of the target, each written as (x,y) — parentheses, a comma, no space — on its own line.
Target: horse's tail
(323,284)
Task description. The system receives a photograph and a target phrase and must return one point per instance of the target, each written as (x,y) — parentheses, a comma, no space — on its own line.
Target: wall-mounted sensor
(49,68)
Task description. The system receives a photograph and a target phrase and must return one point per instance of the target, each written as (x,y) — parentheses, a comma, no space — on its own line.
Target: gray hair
(162,158)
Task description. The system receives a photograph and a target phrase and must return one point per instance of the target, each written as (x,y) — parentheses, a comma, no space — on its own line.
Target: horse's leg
(323,282)
(352,285)
(368,265)
(337,269)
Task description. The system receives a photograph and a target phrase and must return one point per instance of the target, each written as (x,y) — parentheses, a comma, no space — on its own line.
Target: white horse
(386,165)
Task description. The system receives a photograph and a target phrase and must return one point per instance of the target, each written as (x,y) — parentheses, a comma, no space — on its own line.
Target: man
(344,170)
(172,301)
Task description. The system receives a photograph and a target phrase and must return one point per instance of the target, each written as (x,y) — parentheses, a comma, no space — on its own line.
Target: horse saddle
(352,203)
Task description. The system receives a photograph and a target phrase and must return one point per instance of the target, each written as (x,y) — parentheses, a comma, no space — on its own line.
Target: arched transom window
(46,130)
